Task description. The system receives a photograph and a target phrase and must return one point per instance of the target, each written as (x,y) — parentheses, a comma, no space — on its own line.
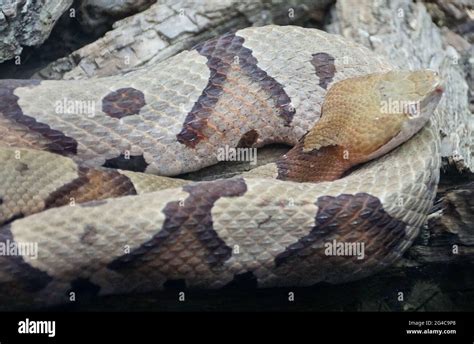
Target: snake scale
(93,189)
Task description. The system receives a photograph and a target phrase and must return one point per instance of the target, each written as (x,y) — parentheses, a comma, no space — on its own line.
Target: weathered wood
(97,15)
(448,236)
(27,23)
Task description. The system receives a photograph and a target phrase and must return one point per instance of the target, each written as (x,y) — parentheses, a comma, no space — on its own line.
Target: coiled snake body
(116,231)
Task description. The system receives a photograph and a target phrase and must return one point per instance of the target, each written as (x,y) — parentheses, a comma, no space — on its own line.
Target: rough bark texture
(456,19)
(99,14)
(27,23)
(457,15)
(169,27)
(449,234)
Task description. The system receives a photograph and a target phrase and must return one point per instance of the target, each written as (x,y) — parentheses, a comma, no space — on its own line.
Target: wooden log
(27,23)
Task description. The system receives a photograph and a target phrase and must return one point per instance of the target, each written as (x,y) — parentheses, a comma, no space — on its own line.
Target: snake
(90,202)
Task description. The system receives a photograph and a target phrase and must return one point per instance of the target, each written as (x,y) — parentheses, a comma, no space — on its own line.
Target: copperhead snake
(93,189)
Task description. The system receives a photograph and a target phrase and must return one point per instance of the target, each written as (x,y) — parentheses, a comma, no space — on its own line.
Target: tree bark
(27,23)
(97,15)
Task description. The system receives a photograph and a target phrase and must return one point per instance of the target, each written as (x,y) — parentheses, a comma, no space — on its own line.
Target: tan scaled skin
(362,118)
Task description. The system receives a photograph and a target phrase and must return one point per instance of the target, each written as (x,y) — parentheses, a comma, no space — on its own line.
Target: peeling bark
(27,23)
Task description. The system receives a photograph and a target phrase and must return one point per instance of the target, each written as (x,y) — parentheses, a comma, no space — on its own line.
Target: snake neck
(324,164)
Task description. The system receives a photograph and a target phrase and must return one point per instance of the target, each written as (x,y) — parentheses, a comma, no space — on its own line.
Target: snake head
(362,118)
(370,115)
(409,98)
